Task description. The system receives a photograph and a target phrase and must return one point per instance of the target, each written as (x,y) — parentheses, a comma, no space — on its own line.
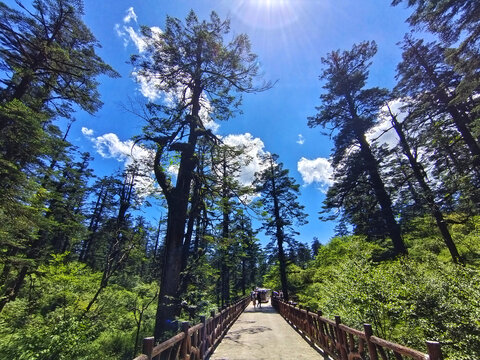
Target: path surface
(263,334)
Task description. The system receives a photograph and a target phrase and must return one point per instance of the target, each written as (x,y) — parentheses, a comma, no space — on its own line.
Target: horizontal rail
(196,342)
(341,342)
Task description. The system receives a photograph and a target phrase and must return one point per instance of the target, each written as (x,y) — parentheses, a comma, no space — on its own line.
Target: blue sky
(289,37)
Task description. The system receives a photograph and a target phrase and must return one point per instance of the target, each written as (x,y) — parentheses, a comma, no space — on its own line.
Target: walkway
(263,334)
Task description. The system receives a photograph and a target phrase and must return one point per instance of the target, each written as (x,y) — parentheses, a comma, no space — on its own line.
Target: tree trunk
(168,303)
(94,223)
(420,175)
(283,267)
(382,196)
(225,275)
(243,282)
(177,200)
(12,291)
(280,236)
(225,268)
(192,217)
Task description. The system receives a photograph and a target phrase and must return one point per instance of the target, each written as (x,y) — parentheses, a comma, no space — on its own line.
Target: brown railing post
(434,350)
(320,331)
(340,338)
(372,349)
(308,330)
(185,351)
(203,337)
(147,349)
(214,326)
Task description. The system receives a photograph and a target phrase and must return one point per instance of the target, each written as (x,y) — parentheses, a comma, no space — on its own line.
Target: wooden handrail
(196,342)
(341,342)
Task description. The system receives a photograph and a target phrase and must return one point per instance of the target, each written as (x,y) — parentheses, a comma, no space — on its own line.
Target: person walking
(254,298)
(259,299)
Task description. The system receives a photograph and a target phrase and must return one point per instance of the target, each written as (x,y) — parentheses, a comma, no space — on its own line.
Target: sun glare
(268,3)
(266,13)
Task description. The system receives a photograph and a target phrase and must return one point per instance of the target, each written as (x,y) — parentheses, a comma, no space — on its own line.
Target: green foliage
(47,53)
(408,300)
(47,322)
(23,139)
(298,279)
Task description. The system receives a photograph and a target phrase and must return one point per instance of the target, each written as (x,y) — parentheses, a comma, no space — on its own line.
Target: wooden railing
(196,342)
(341,342)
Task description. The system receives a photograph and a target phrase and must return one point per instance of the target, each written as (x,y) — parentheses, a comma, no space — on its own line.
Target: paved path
(263,334)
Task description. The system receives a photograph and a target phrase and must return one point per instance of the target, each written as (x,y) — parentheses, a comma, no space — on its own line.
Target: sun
(269,3)
(266,13)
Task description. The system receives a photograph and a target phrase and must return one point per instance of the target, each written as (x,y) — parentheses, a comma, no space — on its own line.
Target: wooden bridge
(278,331)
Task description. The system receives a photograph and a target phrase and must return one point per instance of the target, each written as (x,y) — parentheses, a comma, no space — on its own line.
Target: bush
(407,300)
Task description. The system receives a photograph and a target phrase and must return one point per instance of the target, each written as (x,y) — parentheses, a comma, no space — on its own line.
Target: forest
(85,274)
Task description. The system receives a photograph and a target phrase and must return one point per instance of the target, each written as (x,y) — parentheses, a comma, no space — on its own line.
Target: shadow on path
(235,335)
(265,309)
(261,333)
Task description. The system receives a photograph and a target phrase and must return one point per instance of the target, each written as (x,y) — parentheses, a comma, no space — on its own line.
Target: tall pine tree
(279,194)
(349,111)
(192,61)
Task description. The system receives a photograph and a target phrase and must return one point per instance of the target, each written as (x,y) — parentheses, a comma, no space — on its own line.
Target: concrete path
(261,333)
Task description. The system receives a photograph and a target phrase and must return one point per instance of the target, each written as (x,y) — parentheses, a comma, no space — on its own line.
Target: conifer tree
(48,57)
(457,24)
(433,87)
(349,111)
(192,61)
(279,194)
(426,191)
(49,67)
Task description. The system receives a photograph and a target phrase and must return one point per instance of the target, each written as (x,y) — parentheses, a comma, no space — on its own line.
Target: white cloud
(211,125)
(87,131)
(151,87)
(254,150)
(301,139)
(119,31)
(383,132)
(137,39)
(130,15)
(130,34)
(109,146)
(148,87)
(317,170)
(173,170)
(204,114)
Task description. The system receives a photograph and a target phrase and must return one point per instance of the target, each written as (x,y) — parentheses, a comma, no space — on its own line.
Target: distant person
(259,299)
(254,298)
